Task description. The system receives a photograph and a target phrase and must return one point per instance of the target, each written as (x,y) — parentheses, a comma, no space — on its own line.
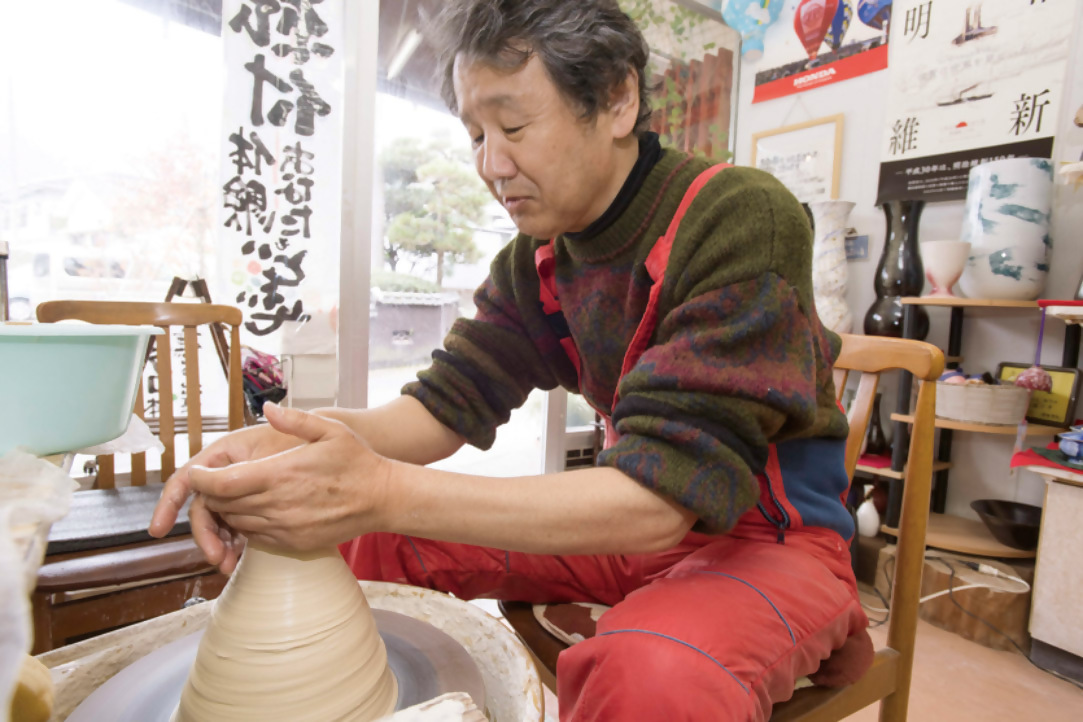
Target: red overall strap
(547,289)
(657,260)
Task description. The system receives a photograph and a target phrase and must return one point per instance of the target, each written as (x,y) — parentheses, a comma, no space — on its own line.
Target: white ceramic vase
(944,262)
(830,219)
(1008,204)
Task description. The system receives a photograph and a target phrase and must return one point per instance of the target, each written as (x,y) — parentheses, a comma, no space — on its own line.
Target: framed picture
(806,157)
(1055,407)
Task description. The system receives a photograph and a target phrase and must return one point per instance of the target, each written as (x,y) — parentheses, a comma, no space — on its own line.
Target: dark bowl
(1012,523)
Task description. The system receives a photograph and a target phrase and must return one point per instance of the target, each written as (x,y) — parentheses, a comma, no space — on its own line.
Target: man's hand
(219,543)
(326,490)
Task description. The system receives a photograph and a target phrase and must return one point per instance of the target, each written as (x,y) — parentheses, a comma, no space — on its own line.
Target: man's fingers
(207,532)
(295,422)
(174,494)
(247,524)
(231,482)
(233,550)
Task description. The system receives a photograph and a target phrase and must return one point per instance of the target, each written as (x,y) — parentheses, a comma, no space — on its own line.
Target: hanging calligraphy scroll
(970,82)
(281,157)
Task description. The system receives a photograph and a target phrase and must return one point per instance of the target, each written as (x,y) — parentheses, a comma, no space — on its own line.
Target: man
(677,299)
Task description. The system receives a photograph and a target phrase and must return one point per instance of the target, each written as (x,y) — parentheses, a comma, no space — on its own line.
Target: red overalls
(717,628)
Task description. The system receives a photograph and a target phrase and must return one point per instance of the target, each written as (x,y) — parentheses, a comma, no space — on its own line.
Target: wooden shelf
(967,302)
(967,536)
(1004,429)
(889,473)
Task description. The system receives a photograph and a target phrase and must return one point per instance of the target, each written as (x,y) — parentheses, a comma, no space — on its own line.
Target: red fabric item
(876,461)
(1046,302)
(713,616)
(1030,457)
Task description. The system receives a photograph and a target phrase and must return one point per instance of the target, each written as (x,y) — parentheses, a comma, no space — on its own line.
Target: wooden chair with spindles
(102,569)
(190,317)
(888,679)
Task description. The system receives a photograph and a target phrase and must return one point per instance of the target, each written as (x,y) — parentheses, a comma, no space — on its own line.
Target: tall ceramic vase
(829,264)
(899,273)
(1008,204)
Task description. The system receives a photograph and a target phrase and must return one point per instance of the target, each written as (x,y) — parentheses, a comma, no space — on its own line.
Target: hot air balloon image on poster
(751,18)
(811,23)
(874,13)
(828,46)
(839,25)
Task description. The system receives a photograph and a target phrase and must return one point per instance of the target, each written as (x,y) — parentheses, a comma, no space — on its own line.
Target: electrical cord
(1003,634)
(981,568)
(950,591)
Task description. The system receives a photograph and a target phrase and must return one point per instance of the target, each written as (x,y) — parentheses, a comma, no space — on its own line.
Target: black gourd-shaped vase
(899,273)
(876,442)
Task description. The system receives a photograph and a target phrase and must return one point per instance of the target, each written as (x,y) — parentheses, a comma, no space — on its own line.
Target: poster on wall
(281,169)
(1069,148)
(970,82)
(822,42)
(805,157)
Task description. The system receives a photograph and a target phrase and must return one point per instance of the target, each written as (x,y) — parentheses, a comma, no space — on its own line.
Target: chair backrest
(189,316)
(871,356)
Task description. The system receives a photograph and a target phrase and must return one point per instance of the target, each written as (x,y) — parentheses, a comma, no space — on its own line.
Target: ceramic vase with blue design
(1008,204)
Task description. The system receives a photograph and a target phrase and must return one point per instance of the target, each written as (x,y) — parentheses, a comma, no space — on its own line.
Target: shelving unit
(947,531)
(889,473)
(966,536)
(1032,429)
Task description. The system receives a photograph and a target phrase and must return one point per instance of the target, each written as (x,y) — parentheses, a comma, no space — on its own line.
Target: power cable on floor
(955,601)
(950,591)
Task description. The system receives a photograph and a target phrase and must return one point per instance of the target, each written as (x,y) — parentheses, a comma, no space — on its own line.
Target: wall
(981,461)
(405,332)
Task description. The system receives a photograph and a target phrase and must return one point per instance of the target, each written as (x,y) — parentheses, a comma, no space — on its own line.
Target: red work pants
(718,628)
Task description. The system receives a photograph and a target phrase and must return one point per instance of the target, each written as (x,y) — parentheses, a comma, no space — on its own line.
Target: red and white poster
(820,42)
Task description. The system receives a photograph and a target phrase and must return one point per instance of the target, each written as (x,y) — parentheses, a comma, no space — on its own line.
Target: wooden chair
(190,316)
(888,680)
(102,570)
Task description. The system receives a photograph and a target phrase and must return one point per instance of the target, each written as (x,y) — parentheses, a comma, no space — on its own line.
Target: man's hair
(587,47)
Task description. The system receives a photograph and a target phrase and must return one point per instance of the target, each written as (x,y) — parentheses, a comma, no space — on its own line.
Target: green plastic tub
(66,386)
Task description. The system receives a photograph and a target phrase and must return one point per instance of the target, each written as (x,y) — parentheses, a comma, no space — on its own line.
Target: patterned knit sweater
(739,358)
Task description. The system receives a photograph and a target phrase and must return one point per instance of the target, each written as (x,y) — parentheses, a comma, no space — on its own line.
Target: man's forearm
(402,429)
(589,511)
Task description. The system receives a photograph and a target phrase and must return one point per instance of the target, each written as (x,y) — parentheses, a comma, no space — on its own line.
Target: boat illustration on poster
(973,29)
(962,97)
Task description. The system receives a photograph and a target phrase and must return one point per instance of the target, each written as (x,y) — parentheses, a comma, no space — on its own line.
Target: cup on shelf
(944,262)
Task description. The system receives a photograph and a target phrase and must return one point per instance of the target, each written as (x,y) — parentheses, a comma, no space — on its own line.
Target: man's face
(553,172)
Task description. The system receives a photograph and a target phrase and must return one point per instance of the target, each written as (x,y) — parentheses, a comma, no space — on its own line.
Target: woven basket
(985,404)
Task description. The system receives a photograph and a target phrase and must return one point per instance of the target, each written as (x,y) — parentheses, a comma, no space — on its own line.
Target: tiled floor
(956,680)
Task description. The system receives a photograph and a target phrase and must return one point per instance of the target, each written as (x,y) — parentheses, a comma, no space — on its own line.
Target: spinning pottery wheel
(425,661)
(434,644)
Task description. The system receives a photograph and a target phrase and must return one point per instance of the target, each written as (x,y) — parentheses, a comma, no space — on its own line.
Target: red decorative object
(812,21)
(1035,378)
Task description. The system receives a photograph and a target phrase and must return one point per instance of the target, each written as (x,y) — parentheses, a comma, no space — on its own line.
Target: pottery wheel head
(426,661)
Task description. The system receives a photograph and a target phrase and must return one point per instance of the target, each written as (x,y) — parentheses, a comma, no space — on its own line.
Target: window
(113,174)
